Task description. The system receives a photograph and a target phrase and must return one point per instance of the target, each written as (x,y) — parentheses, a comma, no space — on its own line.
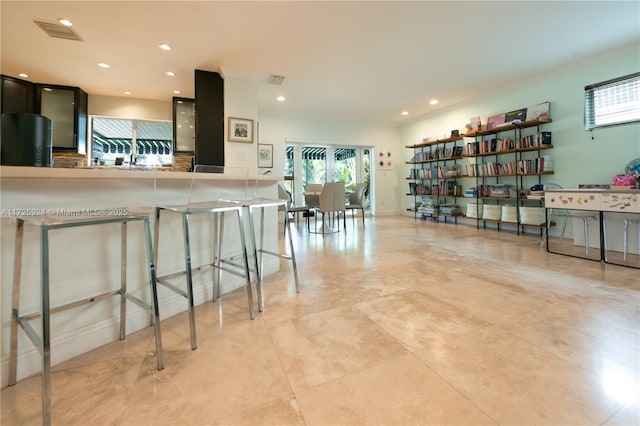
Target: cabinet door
(58,105)
(184,125)
(17,95)
(66,107)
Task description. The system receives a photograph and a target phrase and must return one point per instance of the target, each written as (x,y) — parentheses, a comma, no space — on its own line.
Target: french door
(321,164)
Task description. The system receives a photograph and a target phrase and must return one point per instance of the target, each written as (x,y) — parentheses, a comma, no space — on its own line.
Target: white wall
(241,101)
(577,159)
(125,107)
(279,129)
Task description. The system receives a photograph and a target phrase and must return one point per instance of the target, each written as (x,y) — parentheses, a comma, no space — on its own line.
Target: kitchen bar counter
(107,172)
(86,261)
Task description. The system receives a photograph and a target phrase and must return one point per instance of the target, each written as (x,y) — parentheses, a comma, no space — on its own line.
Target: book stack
(535,140)
(499,191)
(535,165)
(450,209)
(471,192)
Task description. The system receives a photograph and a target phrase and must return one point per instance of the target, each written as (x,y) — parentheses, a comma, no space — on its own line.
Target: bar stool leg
(123,279)
(252,237)
(261,260)
(15,309)
(154,293)
(245,257)
(214,249)
(46,327)
(292,254)
(219,235)
(187,261)
(585,222)
(625,240)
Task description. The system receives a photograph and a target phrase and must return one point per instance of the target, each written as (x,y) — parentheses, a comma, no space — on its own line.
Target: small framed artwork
(385,159)
(265,156)
(240,130)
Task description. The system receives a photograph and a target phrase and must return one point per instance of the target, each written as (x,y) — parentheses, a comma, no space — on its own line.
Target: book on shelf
(538,112)
(533,166)
(495,121)
(534,141)
(517,116)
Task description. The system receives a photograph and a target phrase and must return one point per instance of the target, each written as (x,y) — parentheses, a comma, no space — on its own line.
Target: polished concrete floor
(402,323)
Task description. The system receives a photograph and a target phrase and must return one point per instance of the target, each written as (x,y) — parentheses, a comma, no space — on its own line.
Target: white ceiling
(362,60)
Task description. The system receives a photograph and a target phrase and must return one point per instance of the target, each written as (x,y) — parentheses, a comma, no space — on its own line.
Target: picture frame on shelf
(240,130)
(265,156)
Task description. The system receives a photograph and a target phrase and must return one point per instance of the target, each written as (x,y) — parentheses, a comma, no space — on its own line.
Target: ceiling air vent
(276,80)
(58,31)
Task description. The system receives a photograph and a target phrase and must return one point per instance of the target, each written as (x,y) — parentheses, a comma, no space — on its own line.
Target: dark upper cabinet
(209,144)
(66,107)
(184,125)
(17,95)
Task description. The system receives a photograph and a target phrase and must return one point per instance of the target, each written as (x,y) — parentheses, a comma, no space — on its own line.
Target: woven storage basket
(509,214)
(532,215)
(491,212)
(474,210)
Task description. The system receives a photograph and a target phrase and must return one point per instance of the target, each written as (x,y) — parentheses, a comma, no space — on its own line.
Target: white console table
(601,201)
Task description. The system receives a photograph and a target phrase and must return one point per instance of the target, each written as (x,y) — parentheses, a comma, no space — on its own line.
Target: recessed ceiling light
(103,65)
(170,73)
(281,98)
(126,92)
(177,92)
(164,46)
(433,101)
(23,75)
(47,89)
(404,113)
(65,22)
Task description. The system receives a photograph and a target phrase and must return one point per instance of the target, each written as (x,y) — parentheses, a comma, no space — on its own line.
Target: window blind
(612,102)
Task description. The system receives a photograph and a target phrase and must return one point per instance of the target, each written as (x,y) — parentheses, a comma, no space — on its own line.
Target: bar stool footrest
(31,333)
(75,304)
(138,302)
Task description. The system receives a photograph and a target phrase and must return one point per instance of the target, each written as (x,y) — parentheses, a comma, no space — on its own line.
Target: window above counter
(118,141)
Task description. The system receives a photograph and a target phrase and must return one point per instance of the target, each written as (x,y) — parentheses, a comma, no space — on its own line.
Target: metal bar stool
(627,225)
(217,209)
(261,204)
(43,342)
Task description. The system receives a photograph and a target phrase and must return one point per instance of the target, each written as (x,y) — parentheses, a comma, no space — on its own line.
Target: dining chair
(331,201)
(356,201)
(312,194)
(293,209)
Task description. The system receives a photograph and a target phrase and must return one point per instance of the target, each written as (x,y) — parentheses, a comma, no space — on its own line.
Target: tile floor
(402,323)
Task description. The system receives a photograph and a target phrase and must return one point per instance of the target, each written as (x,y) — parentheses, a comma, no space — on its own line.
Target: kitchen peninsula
(86,261)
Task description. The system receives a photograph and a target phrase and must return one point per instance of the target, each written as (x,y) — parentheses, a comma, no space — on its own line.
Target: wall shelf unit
(508,160)
(502,163)
(433,178)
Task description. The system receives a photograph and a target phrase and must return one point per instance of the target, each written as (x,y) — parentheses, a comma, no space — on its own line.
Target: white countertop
(15,172)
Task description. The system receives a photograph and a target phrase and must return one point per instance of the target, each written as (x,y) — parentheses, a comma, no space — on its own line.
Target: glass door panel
(58,105)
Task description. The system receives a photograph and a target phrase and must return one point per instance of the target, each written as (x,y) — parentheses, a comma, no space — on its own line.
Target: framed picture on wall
(240,130)
(265,156)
